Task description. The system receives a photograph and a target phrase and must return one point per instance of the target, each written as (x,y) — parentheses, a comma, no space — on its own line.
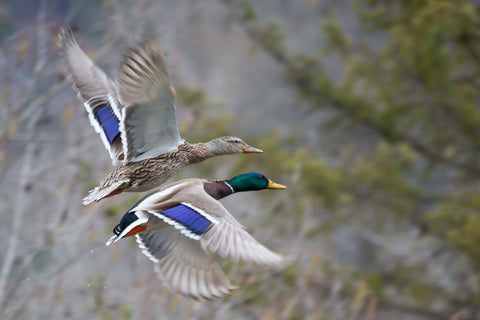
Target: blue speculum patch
(108,121)
(191,219)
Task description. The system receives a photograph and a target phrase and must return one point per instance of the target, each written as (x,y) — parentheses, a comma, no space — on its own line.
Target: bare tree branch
(17,215)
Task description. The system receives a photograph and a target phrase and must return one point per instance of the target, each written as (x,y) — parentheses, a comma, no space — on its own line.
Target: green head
(252,181)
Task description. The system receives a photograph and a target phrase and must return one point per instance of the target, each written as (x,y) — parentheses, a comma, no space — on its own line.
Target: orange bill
(249,149)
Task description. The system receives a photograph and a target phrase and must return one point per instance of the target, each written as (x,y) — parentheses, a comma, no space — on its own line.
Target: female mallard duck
(178,226)
(135,117)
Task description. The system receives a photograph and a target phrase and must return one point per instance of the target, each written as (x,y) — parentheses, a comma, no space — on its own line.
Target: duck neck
(201,151)
(218,189)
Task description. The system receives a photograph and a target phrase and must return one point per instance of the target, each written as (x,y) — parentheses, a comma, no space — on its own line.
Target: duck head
(252,181)
(131,223)
(229,145)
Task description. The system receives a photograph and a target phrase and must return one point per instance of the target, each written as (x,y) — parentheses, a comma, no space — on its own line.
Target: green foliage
(247,13)
(191,97)
(410,79)
(457,220)
(398,153)
(414,90)
(272,39)
(336,39)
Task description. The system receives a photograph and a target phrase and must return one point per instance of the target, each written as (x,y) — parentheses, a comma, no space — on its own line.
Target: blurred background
(367,110)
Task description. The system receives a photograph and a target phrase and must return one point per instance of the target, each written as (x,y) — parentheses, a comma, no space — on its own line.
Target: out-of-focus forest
(369,111)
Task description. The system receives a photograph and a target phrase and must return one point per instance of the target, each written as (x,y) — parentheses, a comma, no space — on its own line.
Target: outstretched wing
(179,235)
(221,233)
(96,91)
(182,265)
(229,238)
(148,124)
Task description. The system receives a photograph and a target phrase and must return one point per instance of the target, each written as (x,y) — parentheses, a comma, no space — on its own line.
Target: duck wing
(179,226)
(202,218)
(182,265)
(96,91)
(229,238)
(148,124)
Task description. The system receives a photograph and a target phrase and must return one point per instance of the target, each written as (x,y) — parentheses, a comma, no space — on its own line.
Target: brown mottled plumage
(135,117)
(152,172)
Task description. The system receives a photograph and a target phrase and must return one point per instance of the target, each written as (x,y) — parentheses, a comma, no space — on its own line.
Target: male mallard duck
(178,226)
(135,117)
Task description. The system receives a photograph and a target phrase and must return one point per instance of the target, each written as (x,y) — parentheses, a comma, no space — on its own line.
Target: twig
(17,215)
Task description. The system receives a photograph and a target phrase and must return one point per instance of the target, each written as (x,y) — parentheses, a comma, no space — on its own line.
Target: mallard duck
(135,117)
(178,226)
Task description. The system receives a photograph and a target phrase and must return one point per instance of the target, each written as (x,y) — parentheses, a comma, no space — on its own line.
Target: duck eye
(117,230)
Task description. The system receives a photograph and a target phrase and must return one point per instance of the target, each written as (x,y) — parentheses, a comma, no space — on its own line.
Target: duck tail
(100,193)
(93,195)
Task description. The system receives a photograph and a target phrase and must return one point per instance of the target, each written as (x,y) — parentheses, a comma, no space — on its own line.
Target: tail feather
(99,193)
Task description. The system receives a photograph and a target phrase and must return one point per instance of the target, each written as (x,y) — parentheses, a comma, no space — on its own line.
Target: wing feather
(229,238)
(96,91)
(183,266)
(148,123)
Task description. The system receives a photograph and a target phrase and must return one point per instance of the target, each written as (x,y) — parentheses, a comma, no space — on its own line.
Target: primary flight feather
(135,118)
(180,225)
